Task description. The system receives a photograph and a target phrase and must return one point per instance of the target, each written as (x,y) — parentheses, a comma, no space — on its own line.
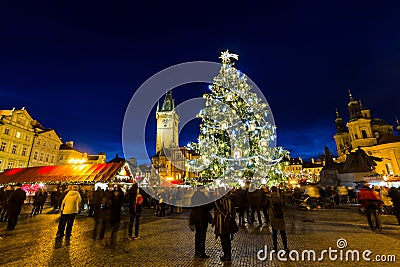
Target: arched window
(364,134)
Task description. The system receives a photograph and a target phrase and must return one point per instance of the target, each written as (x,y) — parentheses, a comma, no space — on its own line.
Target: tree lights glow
(236,138)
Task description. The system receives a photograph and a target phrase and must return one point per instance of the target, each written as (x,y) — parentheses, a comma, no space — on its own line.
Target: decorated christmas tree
(237,138)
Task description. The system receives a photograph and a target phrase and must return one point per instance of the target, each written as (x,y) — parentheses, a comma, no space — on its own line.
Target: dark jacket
(17,197)
(200,214)
(394,194)
(16,200)
(254,198)
(224,216)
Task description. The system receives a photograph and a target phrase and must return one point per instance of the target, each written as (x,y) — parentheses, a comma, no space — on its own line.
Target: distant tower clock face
(165,122)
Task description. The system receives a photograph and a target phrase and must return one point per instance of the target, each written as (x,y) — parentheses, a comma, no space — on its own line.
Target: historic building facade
(170,161)
(16,137)
(373,135)
(45,147)
(69,155)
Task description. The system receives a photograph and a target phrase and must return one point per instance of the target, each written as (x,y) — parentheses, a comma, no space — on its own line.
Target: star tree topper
(226,56)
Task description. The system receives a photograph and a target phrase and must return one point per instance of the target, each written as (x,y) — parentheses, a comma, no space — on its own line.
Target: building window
(21,164)
(364,134)
(27,137)
(3,146)
(1,164)
(38,141)
(41,156)
(24,151)
(14,149)
(61,157)
(44,143)
(52,159)
(18,135)
(35,155)
(7,131)
(47,158)
(10,165)
(389,169)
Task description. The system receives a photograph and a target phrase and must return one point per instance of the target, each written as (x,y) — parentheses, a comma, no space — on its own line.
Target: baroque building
(16,138)
(372,135)
(45,146)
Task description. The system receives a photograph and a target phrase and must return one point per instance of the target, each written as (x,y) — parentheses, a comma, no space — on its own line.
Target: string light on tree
(235,136)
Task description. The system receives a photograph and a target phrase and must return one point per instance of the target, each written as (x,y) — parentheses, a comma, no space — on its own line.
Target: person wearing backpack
(277,218)
(135,200)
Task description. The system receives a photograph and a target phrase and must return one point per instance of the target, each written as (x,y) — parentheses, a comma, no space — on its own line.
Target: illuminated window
(7,131)
(27,137)
(18,135)
(24,151)
(389,169)
(10,165)
(14,149)
(35,155)
(3,146)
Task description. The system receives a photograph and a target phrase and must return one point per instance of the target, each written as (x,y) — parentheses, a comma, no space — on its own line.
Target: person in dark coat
(15,203)
(394,194)
(264,199)
(37,201)
(135,210)
(242,204)
(111,214)
(200,216)
(225,224)
(254,198)
(3,201)
(96,202)
(277,218)
(4,214)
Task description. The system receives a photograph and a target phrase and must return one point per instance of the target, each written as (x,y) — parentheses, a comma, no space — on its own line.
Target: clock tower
(167,124)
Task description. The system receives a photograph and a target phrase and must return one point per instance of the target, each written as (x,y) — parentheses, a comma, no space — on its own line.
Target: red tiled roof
(63,173)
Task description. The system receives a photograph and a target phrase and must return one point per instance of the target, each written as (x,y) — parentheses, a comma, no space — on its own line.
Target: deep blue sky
(76,64)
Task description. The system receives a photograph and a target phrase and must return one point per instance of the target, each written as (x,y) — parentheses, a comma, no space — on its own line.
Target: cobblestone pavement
(168,241)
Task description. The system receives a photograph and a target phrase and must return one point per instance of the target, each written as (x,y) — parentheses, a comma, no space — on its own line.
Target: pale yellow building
(45,148)
(373,135)
(69,155)
(16,137)
(96,159)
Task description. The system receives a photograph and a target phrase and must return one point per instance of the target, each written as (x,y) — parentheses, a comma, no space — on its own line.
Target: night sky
(75,65)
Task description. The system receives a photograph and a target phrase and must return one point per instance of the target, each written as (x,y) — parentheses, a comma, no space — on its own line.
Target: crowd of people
(226,212)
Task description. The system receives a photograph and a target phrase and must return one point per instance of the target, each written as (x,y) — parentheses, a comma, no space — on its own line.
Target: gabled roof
(63,173)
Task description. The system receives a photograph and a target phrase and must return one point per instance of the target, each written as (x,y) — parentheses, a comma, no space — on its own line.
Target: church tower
(360,125)
(167,124)
(342,138)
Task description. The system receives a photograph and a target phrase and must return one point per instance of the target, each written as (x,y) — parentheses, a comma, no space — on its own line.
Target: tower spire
(351,96)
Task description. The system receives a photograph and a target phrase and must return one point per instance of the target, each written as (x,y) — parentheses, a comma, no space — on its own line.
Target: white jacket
(71,203)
